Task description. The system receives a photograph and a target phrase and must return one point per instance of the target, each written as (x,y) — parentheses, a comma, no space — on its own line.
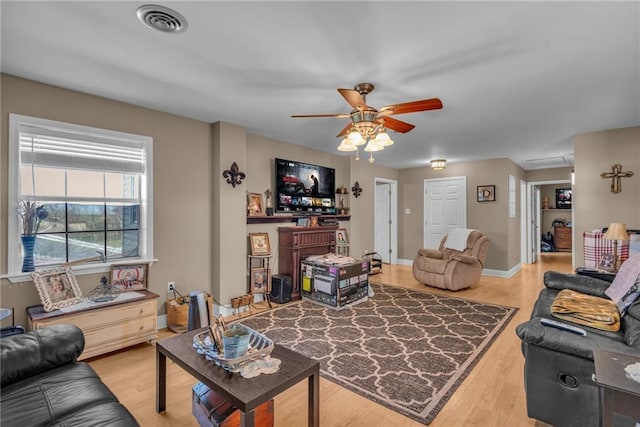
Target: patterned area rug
(404,349)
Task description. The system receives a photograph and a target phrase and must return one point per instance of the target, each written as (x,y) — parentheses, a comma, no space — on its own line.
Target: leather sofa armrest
(535,333)
(431,253)
(465,259)
(583,284)
(25,355)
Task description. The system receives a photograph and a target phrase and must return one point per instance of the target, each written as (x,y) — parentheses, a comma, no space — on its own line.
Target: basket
(178,312)
(259,346)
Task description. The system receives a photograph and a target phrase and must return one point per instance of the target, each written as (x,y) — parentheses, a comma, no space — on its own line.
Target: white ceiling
(517,79)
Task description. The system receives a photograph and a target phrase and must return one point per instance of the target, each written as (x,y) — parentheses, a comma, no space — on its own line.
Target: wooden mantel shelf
(290,218)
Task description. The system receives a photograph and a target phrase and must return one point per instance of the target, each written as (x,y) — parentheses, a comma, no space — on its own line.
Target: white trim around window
(19,123)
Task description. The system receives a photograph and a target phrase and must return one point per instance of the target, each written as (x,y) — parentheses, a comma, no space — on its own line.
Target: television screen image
(304,187)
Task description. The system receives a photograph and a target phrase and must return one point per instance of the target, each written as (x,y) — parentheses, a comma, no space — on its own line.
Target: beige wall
(488,217)
(594,204)
(553,174)
(182,183)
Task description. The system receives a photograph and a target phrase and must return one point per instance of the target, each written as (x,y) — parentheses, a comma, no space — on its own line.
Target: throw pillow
(625,287)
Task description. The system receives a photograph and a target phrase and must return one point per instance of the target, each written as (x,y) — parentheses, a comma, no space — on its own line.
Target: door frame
(535,219)
(393,216)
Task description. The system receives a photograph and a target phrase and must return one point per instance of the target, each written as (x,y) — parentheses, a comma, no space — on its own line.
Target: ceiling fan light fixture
(355,138)
(383,139)
(438,164)
(372,146)
(345,145)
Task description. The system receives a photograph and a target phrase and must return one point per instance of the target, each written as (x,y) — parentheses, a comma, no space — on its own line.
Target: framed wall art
(486,193)
(129,277)
(563,198)
(255,206)
(260,279)
(607,262)
(57,288)
(259,243)
(342,237)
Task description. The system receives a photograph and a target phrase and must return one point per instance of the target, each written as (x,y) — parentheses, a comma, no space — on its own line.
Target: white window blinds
(47,147)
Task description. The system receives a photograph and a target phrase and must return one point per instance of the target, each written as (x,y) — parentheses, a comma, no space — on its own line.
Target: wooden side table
(618,393)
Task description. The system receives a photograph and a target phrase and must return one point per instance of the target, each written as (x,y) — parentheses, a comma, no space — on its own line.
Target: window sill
(78,270)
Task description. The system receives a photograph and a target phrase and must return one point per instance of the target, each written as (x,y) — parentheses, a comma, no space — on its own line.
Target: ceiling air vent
(162,18)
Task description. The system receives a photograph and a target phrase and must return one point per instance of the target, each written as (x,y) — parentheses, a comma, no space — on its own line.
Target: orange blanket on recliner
(588,310)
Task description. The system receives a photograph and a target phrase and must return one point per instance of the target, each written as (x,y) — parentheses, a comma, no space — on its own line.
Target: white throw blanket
(457,239)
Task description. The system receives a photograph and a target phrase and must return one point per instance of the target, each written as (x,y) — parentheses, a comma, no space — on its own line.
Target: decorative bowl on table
(259,346)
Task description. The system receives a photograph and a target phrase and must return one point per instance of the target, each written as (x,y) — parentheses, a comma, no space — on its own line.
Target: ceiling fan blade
(395,124)
(337,116)
(411,107)
(345,130)
(353,97)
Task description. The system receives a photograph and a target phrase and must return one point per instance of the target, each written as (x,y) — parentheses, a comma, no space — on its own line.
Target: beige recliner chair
(454,265)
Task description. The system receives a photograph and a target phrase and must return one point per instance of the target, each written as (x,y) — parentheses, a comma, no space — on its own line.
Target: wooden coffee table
(246,394)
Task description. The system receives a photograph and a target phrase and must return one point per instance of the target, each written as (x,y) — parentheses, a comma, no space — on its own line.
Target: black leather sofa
(43,384)
(559,372)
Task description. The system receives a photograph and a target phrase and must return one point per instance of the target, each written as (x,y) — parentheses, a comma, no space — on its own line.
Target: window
(94,184)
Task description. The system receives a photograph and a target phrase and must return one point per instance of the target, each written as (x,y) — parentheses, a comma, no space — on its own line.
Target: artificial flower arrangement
(31,215)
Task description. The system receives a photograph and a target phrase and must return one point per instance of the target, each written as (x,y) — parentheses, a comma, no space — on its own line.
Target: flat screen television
(563,198)
(304,188)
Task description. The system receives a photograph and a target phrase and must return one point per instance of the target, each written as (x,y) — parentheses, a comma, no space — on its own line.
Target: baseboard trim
(486,272)
(505,274)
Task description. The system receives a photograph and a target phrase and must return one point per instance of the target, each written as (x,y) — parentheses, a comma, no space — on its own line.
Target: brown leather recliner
(452,269)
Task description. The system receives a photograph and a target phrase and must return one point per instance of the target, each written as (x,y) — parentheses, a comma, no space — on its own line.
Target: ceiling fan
(368,125)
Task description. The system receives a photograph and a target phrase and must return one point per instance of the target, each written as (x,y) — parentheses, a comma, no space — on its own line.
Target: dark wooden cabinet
(562,236)
(297,243)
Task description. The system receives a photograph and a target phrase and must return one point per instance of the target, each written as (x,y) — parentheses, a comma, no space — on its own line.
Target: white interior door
(386,219)
(445,208)
(383,232)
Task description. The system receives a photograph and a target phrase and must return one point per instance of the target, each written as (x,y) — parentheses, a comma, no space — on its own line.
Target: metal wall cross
(615,175)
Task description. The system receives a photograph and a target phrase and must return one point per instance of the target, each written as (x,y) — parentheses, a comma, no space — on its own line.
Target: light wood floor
(492,395)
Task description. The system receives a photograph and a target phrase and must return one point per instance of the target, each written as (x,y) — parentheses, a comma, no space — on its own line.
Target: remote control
(563,326)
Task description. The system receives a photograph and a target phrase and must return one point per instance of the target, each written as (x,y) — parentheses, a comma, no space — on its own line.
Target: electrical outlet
(171,286)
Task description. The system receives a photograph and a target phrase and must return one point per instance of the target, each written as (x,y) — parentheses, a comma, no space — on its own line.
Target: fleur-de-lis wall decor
(233,175)
(356,190)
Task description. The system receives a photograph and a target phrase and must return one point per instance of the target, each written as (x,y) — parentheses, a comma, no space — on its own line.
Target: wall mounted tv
(304,188)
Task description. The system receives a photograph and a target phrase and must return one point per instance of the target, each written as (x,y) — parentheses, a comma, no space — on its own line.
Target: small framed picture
(260,279)
(486,193)
(57,287)
(342,238)
(129,277)
(607,262)
(259,243)
(302,221)
(255,206)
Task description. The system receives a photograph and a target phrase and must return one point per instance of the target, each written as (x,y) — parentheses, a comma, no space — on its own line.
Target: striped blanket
(588,310)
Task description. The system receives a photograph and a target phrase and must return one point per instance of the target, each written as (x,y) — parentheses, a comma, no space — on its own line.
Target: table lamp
(616,231)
